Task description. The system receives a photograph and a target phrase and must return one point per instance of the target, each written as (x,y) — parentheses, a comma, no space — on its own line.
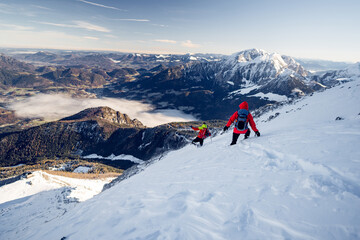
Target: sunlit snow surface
(82,189)
(40,198)
(271,96)
(299,180)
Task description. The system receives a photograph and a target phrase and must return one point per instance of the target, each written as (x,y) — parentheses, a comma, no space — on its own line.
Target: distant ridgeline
(207,86)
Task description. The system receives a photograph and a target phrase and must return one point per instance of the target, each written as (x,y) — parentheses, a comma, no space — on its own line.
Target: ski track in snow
(299,180)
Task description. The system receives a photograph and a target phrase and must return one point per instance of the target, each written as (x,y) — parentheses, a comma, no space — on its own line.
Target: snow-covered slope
(299,180)
(39,181)
(39,198)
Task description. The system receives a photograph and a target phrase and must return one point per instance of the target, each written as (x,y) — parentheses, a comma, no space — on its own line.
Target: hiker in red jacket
(242,118)
(203,133)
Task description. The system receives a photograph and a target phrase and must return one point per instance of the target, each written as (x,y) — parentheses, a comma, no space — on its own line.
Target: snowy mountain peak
(259,56)
(272,72)
(248,55)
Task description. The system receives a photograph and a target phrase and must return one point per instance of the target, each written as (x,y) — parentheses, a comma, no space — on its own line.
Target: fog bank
(56,106)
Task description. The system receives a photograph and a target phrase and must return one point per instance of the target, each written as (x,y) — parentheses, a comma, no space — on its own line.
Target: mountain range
(107,60)
(206,86)
(211,90)
(138,60)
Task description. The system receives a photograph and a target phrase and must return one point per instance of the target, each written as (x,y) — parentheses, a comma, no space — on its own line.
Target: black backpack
(242,123)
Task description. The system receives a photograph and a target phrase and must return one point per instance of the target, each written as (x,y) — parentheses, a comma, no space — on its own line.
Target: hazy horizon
(306,29)
(35,50)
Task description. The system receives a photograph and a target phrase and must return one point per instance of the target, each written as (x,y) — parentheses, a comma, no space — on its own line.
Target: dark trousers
(197,139)
(236,136)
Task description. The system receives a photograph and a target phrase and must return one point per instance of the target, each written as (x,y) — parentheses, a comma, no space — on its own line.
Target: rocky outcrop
(105,114)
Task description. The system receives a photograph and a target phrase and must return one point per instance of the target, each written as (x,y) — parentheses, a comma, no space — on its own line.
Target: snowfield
(299,180)
(40,198)
(39,181)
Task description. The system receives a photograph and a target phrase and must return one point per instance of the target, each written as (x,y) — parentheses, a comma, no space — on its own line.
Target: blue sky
(316,29)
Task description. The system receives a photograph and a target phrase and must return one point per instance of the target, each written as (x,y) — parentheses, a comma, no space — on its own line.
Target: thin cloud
(159,25)
(14,9)
(90,27)
(91,38)
(132,20)
(41,7)
(144,33)
(16,27)
(78,24)
(190,44)
(5,8)
(110,36)
(55,24)
(165,41)
(103,6)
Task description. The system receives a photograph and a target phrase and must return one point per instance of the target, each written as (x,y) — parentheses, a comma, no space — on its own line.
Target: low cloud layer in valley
(57,106)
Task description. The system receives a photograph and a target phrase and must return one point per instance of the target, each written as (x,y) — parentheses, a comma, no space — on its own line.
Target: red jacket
(250,119)
(202,131)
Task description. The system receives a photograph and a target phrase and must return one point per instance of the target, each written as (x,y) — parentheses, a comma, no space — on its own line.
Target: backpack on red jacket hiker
(242,122)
